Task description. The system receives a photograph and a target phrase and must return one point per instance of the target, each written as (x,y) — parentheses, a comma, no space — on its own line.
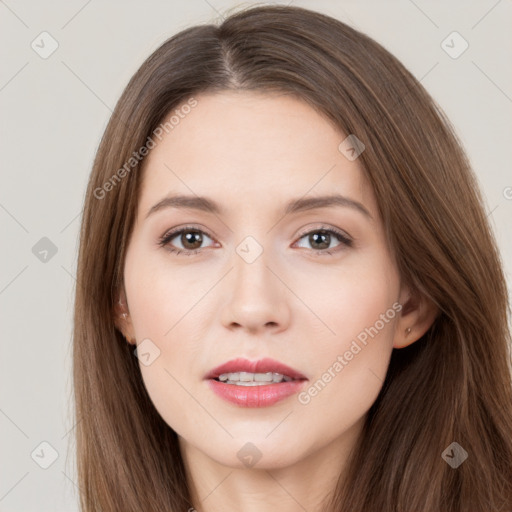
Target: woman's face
(258,278)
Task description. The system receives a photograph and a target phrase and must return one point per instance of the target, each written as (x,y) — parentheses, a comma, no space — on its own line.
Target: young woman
(288,291)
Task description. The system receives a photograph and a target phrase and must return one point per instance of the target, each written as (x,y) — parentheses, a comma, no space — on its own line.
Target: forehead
(251,148)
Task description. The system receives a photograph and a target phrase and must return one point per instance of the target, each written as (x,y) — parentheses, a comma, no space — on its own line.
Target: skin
(252,153)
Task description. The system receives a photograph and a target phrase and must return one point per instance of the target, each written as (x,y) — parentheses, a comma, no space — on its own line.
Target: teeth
(253,379)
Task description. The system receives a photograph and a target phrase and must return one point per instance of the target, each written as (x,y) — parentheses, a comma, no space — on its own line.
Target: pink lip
(255,396)
(262,366)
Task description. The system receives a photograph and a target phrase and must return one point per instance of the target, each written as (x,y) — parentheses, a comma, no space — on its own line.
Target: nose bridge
(251,268)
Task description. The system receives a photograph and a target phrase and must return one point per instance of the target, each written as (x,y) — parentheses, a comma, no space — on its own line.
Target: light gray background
(54,111)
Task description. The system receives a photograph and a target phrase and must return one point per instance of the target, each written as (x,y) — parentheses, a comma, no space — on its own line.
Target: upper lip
(261,366)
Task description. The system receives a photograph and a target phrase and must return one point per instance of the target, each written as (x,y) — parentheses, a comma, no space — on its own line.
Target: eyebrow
(296,205)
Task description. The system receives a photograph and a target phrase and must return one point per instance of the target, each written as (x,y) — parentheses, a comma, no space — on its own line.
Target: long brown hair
(452,385)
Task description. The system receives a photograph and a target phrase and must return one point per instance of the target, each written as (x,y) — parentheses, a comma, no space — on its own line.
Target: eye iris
(314,237)
(188,238)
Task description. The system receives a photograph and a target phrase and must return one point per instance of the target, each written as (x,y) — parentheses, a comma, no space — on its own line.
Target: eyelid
(187,227)
(324,227)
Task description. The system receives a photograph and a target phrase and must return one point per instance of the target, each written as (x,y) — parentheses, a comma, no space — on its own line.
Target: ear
(122,319)
(416,317)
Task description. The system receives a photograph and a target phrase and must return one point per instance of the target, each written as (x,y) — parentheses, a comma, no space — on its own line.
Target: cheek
(164,302)
(161,293)
(352,299)
(350,359)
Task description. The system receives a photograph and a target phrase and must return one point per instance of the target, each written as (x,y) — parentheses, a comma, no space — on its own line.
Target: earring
(407,331)
(124,315)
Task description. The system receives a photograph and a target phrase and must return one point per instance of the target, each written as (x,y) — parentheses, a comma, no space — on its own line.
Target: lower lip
(255,396)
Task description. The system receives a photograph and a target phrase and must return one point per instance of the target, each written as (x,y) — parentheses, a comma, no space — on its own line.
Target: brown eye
(186,240)
(320,240)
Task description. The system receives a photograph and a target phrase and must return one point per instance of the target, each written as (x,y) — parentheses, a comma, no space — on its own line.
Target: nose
(258,297)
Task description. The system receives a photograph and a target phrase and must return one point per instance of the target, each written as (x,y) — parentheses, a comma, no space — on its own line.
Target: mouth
(260,383)
(242,372)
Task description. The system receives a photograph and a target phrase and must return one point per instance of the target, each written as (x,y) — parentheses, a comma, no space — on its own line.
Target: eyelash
(164,241)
